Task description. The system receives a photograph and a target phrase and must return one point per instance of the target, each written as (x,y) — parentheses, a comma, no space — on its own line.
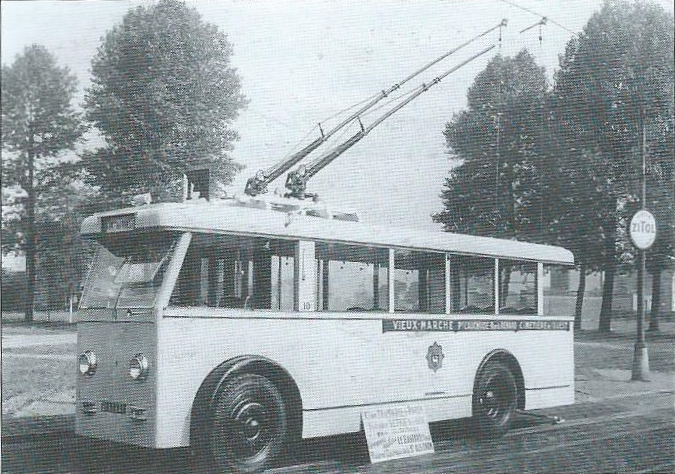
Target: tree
(572,211)
(496,190)
(661,187)
(164,96)
(38,124)
(63,253)
(13,290)
(613,76)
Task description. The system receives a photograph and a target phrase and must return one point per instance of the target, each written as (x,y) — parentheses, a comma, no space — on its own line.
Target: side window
(351,278)
(472,284)
(558,285)
(517,287)
(283,268)
(236,272)
(419,281)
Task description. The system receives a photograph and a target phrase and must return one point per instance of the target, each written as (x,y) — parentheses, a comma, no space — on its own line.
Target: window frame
(446,263)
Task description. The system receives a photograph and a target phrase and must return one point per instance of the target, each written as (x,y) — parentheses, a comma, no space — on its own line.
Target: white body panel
(342,363)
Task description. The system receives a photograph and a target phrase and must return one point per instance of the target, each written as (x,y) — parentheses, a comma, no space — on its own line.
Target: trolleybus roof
(224,217)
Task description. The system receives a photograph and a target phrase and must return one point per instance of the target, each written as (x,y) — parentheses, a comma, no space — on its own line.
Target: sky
(302,61)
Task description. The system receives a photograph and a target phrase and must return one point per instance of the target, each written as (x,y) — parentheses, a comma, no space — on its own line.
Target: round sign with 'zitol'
(643,229)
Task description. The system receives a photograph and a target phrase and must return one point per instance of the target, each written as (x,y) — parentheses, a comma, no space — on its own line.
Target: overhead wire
(541,23)
(325,159)
(257,184)
(268,117)
(318,125)
(393,99)
(347,129)
(295,147)
(370,101)
(498,130)
(513,4)
(385,94)
(350,108)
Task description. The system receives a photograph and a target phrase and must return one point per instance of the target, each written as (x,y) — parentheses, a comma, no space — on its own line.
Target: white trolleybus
(238,329)
(241,326)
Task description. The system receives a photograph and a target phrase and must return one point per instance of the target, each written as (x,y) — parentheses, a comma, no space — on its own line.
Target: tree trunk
(581,289)
(31,237)
(605,323)
(656,300)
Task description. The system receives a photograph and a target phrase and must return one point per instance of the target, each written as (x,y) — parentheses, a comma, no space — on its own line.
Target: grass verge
(28,380)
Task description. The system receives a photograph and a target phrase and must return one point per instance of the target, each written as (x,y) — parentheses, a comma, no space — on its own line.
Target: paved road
(632,434)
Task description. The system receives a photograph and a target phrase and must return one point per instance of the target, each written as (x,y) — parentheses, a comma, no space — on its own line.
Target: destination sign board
(456,325)
(396,432)
(118,223)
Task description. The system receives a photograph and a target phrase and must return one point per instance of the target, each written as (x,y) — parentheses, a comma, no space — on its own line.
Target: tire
(495,399)
(249,429)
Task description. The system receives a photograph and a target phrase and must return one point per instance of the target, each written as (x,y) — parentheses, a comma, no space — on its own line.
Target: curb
(62,425)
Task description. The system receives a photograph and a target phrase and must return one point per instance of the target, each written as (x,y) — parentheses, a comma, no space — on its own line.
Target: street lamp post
(640,354)
(642,233)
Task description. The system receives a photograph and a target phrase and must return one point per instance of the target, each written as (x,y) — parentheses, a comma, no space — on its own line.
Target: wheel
(495,400)
(249,426)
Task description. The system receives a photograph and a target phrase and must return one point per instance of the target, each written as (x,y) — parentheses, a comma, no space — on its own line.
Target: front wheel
(495,400)
(249,429)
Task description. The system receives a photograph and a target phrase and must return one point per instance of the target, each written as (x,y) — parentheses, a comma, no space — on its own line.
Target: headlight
(138,367)
(87,363)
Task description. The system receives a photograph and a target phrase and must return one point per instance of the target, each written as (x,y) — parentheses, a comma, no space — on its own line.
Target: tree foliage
(615,77)
(563,166)
(38,124)
(164,96)
(497,190)
(37,116)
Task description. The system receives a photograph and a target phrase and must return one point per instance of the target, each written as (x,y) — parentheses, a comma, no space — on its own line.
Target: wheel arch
(509,360)
(202,405)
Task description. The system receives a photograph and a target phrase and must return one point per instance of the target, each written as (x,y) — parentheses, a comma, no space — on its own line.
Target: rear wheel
(249,429)
(495,400)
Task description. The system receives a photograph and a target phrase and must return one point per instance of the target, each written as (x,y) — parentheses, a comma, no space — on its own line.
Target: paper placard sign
(396,432)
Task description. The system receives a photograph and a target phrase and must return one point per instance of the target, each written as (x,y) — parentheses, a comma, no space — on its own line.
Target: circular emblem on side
(435,357)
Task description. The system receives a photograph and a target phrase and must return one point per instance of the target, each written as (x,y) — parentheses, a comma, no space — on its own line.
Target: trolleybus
(240,328)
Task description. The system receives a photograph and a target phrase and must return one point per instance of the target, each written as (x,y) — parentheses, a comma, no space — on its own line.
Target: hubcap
(496,399)
(248,425)
(252,424)
(250,417)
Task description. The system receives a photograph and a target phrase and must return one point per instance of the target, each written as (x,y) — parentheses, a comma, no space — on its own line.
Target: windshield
(127,275)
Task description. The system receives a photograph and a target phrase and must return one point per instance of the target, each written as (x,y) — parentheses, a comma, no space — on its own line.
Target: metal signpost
(643,233)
